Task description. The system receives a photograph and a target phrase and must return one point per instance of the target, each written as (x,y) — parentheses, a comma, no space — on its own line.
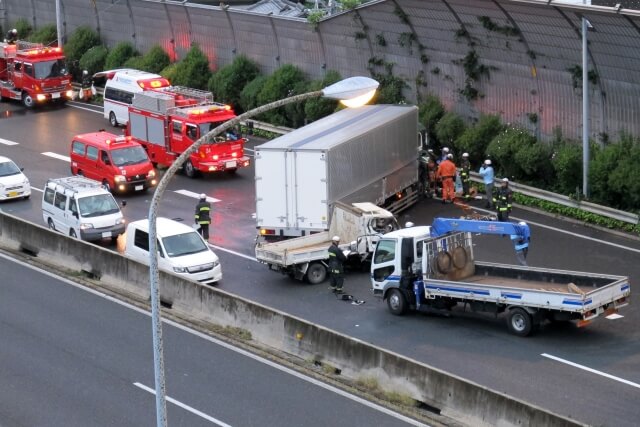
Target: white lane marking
(593,371)
(37,189)
(227,346)
(196,195)
(249,149)
(7,142)
(570,233)
(220,248)
(85,108)
(57,156)
(185,407)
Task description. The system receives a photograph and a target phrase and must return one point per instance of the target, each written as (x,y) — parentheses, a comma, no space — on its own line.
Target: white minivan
(120,87)
(81,208)
(181,250)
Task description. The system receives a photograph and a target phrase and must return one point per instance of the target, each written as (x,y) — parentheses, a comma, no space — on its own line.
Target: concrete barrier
(456,398)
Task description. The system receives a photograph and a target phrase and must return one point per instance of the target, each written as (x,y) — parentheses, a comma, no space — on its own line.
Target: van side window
(92,153)
(60,201)
(73,207)
(177,126)
(118,95)
(78,148)
(48,195)
(141,240)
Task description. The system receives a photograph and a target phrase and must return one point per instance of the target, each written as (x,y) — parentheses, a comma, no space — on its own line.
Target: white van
(81,208)
(181,250)
(120,87)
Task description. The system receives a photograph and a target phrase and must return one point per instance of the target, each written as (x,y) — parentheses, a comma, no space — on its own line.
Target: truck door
(308,190)
(92,159)
(385,271)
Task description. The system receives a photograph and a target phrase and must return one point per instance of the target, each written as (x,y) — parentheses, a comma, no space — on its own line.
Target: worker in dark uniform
(85,87)
(12,36)
(336,265)
(465,176)
(203,216)
(502,200)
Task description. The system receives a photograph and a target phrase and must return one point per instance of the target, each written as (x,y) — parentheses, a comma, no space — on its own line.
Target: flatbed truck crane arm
(519,233)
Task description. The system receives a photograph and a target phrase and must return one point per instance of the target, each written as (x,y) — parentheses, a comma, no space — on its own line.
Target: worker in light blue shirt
(486,172)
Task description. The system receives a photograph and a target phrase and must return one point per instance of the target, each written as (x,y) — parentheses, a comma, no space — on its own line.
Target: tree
(249,94)
(431,110)
(93,59)
(47,35)
(475,139)
(193,71)
(567,164)
(156,60)
(83,39)
(449,128)
(284,82)
(228,82)
(117,56)
(317,108)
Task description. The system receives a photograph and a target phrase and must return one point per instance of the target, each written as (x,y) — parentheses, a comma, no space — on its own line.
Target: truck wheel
(520,322)
(189,169)
(316,273)
(51,225)
(112,119)
(27,100)
(73,234)
(397,302)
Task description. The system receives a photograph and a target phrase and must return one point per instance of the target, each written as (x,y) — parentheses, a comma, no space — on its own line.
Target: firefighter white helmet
(203,196)
(335,239)
(445,150)
(487,162)
(505,179)
(465,154)
(522,223)
(409,224)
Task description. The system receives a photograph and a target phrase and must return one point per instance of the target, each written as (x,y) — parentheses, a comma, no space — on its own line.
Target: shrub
(317,108)
(567,164)
(475,139)
(24,28)
(503,149)
(135,62)
(83,39)
(170,71)
(449,128)
(193,71)
(47,35)
(431,110)
(117,56)
(228,82)
(534,161)
(249,95)
(284,82)
(93,59)
(156,60)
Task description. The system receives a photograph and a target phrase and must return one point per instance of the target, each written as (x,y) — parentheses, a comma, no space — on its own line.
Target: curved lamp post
(352,92)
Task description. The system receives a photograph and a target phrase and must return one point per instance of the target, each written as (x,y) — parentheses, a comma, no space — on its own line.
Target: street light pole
(59,23)
(353,92)
(585,109)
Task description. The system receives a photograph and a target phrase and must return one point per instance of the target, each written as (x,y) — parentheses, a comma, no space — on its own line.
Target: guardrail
(559,199)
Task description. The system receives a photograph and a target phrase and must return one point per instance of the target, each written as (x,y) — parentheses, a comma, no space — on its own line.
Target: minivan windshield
(98,205)
(47,69)
(9,168)
(129,156)
(184,244)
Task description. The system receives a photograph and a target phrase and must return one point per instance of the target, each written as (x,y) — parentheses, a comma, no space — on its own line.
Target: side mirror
(75,213)
(106,161)
(124,203)
(21,169)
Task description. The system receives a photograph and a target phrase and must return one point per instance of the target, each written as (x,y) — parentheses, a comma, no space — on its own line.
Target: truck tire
(316,273)
(27,100)
(189,169)
(113,121)
(520,322)
(397,302)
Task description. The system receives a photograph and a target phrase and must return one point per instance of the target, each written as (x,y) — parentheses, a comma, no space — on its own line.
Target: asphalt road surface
(591,374)
(70,357)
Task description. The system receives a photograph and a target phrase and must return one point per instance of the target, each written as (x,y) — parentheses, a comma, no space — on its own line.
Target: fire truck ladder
(24,45)
(201,96)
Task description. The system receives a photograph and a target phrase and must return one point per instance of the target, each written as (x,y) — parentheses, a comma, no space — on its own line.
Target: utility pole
(585,109)
(59,23)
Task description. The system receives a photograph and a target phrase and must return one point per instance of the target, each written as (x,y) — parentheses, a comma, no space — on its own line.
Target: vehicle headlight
(119,221)
(85,226)
(69,94)
(216,263)
(151,174)
(180,269)
(41,97)
(120,178)
(26,182)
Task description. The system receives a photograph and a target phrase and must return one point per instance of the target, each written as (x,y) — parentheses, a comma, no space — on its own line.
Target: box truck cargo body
(367,154)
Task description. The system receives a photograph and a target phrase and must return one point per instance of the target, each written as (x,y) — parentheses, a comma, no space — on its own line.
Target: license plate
(231,164)
(106,234)
(13,194)
(139,187)
(55,95)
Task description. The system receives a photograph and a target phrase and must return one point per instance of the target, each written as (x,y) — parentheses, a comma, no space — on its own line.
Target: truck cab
(33,74)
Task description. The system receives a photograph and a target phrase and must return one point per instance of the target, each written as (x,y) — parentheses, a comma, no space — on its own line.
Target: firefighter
(203,216)
(12,36)
(502,200)
(443,155)
(85,88)
(486,172)
(465,175)
(336,265)
(447,174)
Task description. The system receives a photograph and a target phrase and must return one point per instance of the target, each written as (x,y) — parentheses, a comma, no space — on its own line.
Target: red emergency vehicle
(167,121)
(32,73)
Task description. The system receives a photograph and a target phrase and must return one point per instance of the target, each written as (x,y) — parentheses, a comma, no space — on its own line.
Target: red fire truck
(32,73)
(168,120)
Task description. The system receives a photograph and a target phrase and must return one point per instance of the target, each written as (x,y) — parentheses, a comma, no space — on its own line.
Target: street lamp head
(352,92)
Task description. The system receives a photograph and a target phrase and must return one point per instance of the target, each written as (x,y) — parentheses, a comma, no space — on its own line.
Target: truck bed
(534,287)
(295,251)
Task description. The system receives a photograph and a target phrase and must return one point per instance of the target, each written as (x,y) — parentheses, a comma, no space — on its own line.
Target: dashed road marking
(57,156)
(7,142)
(196,195)
(593,371)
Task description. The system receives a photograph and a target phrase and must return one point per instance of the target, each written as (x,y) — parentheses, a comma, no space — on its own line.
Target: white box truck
(366,154)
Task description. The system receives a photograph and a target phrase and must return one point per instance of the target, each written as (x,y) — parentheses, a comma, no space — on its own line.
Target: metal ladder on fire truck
(201,96)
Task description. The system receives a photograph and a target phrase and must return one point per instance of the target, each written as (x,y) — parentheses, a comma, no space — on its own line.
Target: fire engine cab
(167,121)
(33,73)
